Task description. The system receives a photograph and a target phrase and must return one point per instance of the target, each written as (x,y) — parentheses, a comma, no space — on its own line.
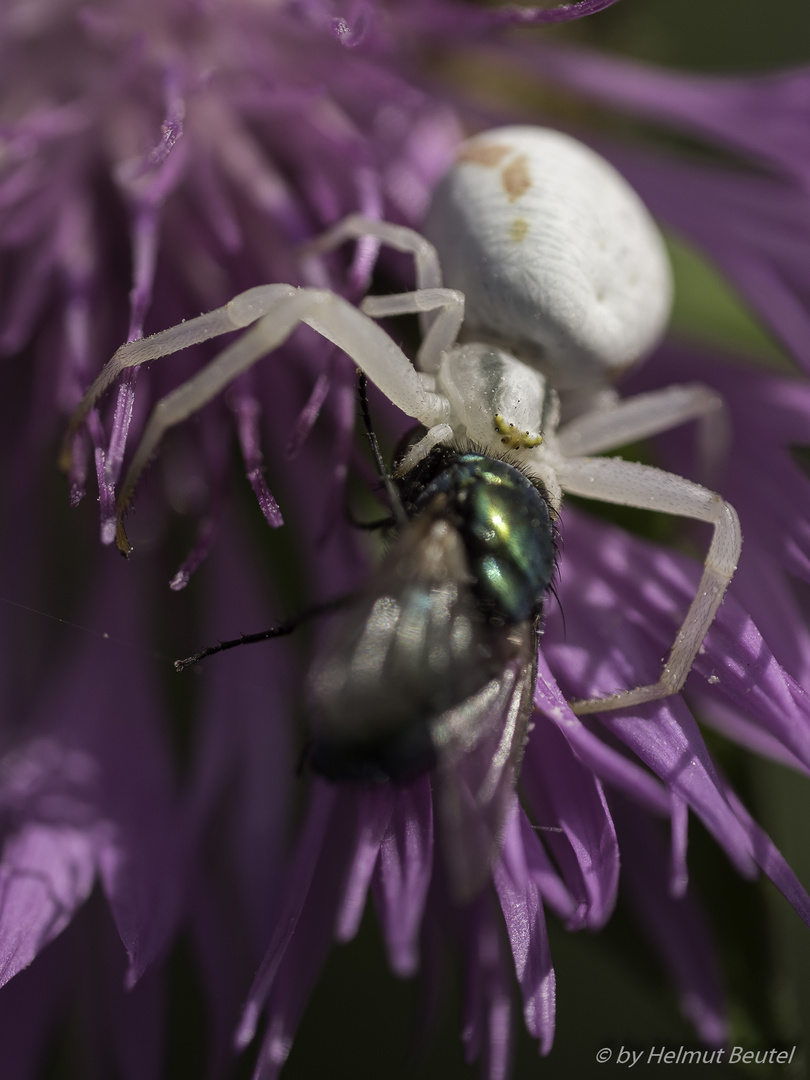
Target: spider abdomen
(556,255)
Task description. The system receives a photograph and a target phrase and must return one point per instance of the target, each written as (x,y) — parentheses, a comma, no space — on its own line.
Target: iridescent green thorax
(505,523)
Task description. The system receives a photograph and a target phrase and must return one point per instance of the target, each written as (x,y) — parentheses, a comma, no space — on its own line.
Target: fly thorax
(504,522)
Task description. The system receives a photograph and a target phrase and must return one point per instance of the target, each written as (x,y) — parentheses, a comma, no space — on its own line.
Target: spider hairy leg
(328,314)
(238,313)
(628,483)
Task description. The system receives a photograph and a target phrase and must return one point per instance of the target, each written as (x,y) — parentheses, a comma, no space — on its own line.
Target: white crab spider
(566,284)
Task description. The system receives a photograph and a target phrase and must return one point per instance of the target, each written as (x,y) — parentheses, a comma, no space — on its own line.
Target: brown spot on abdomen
(516,178)
(490,154)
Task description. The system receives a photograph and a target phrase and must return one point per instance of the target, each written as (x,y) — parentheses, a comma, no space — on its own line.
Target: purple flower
(157,158)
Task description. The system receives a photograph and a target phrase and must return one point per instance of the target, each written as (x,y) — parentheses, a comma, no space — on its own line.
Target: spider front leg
(438,332)
(276,310)
(238,313)
(442,333)
(628,483)
(398,237)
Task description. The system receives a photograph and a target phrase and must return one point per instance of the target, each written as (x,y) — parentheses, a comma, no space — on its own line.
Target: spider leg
(644,415)
(428,276)
(238,313)
(628,483)
(442,333)
(440,433)
(332,317)
(399,237)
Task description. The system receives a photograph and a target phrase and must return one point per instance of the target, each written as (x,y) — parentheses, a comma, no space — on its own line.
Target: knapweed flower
(157,158)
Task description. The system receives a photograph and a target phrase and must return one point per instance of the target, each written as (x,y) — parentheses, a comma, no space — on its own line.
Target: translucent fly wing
(418,675)
(414,648)
(480,746)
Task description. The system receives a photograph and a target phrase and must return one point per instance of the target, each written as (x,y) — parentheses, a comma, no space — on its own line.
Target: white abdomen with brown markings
(553,250)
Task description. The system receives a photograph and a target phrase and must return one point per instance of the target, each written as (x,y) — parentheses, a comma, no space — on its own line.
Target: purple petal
(167,171)
(218,952)
(763,117)
(615,572)
(769,413)
(215,453)
(752,227)
(302,962)
(487,1023)
(404,872)
(244,770)
(603,760)
(526,924)
(35,269)
(563,793)
(145,244)
(343,398)
(771,493)
(675,925)
(303,930)
(471,22)
(374,818)
(247,410)
(140,862)
(772,861)
(207,532)
(674,749)
(110,460)
(545,874)
(267,973)
(135,1016)
(91,793)
(309,414)
(741,730)
(679,874)
(46,872)
(753,683)
(29,1010)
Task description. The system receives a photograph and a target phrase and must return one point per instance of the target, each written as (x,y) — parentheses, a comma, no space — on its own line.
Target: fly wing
(480,747)
(414,648)
(416,676)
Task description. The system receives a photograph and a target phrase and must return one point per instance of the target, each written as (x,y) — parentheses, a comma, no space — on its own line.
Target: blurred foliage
(709,310)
